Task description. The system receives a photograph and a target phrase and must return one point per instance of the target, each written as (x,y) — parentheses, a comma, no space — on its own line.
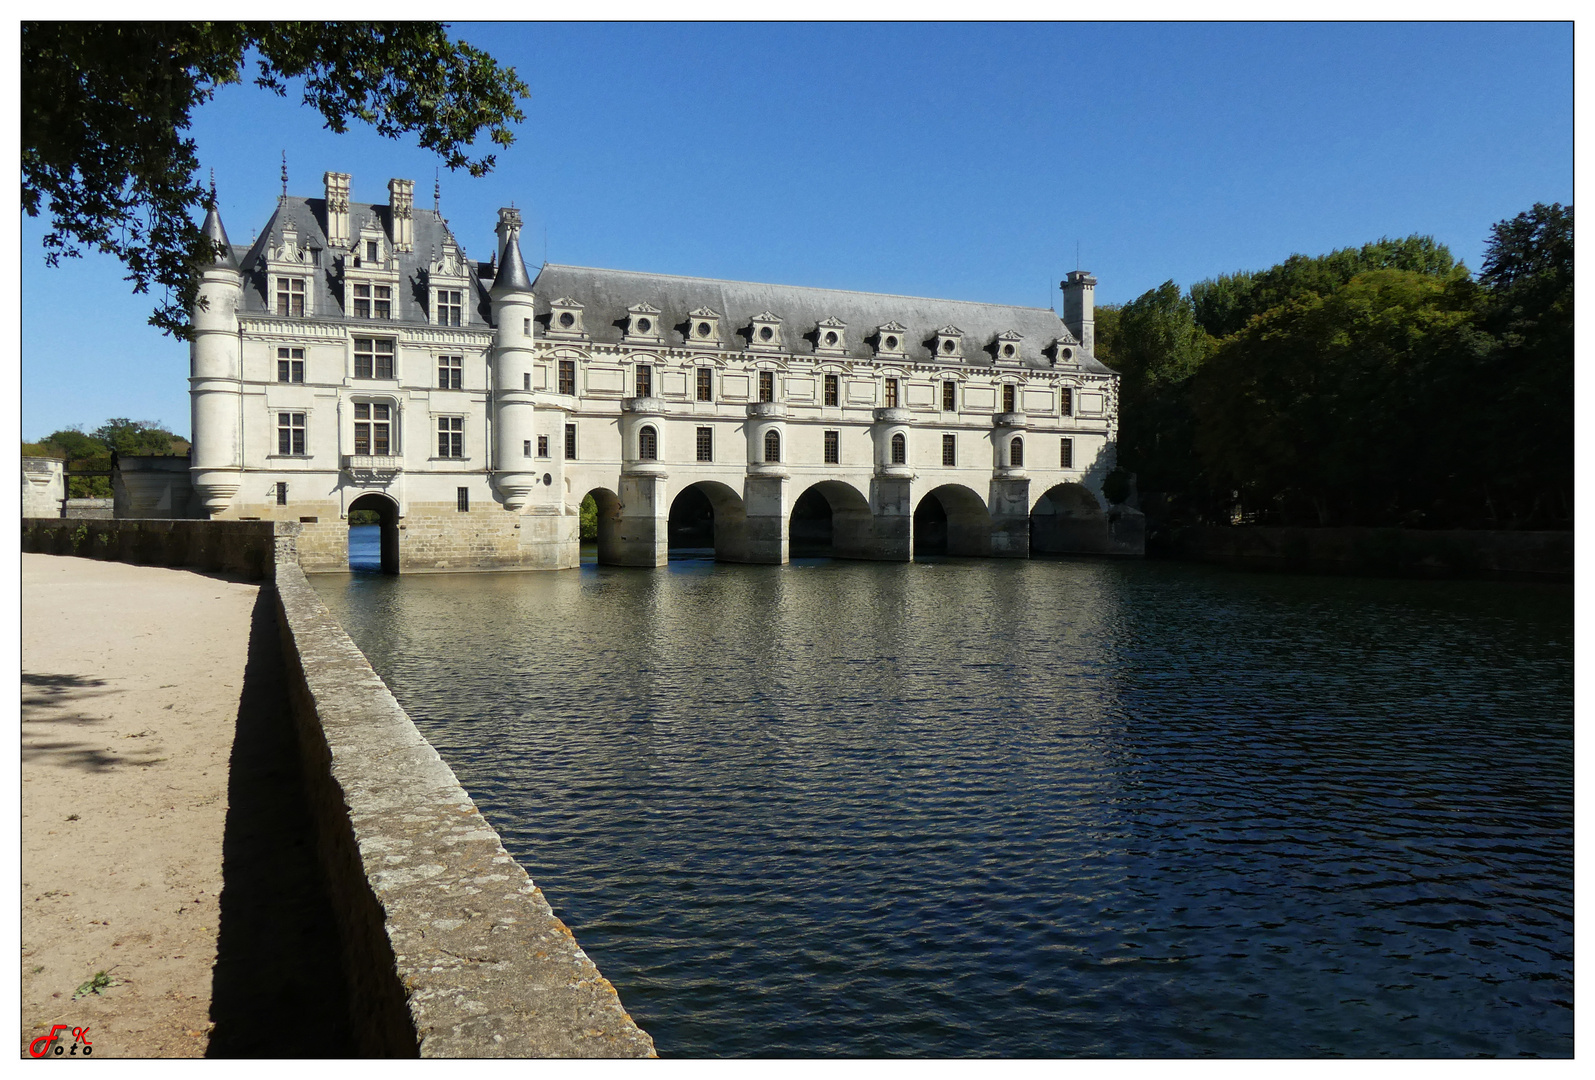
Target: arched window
(899,449)
(648,444)
(772,446)
(1016,453)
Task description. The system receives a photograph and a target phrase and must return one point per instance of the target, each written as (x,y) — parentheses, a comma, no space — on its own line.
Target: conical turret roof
(214,232)
(512,276)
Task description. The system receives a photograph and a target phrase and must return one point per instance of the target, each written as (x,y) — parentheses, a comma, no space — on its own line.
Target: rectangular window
(362,301)
(645,380)
(705,384)
(949,397)
(451,307)
(382,301)
(542,446)
(373,358)
(705,444)
(451,436)
(1066,401)
(290,433)
(891,393)
(373,427)
(282,493)
(1007,397)
(833,448)
(450,370)
(949,450)
(462,500)
(526,448)
(570,442)
(1066,453)
(526,328)
(832,389)
(291,297)
(526,380)
(290,365)
(371,251)
(766,386)
(567,376)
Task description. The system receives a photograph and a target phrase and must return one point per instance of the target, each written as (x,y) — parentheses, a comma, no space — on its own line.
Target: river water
(1032,808)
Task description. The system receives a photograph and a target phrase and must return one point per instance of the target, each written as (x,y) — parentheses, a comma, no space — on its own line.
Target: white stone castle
(354,358)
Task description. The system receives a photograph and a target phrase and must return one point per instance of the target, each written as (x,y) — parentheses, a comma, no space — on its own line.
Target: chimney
(337,208)
(1079,307)
(401,201)
(508,229)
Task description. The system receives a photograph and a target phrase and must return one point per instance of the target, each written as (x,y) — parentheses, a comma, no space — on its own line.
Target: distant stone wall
(43,486)
(1396,552)
(153,486)
(251,549)
(89,509)
(451,950)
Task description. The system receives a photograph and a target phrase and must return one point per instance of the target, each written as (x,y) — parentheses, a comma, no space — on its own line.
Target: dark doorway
(387,524)
(930,527)
(692,523)
(809,535)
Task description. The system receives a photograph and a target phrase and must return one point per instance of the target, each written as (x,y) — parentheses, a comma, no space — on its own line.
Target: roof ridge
(806,288)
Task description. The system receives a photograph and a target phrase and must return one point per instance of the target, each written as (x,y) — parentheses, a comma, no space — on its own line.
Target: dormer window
(1007,346)
(891,340)
(289,268)
(642,323)
(448,280)
(831,337)
(765,333)
(950,342)
(371,251)
(291,297)
(370,281)
(372,301)
(565,318)
(703,327)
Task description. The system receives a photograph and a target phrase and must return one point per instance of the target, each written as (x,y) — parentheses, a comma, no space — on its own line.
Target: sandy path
(131,678)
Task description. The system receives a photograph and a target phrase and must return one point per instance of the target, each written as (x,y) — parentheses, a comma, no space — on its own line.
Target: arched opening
(899,449)
(600,531)
(830,519)
(772,446)
(648,444)
(374,534)
(707,518)
(952,520)
(1067,519)
(1016,452)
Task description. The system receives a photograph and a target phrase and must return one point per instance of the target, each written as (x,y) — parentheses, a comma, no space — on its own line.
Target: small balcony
(372,468)
(892,414)
(1009,420)
(767,409)
(643,406)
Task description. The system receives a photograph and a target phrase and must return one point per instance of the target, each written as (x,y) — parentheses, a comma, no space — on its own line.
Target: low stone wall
(452,950)
(251,549)
(1398,552)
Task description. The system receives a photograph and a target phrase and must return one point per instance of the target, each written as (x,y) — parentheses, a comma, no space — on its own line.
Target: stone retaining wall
(453,951)
(251,549)
(1399,552)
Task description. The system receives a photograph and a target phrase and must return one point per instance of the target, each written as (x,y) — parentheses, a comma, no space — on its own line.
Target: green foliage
(1107,333)
(1116,486)
(92,451)
(1223,305)
(364,517)
(105,107)
(100,980)
(589,518)
(1157,348)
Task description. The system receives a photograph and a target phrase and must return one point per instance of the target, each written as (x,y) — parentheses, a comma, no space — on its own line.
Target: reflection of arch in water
(387,512)
(952,520)
(833,518)
(1068,518)
(608,525)
(708,514)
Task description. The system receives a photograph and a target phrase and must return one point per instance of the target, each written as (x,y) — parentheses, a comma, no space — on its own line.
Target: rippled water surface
(1035,808)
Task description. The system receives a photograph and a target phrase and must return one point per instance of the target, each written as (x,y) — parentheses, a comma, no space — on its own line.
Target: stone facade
(354,358)
(43,486)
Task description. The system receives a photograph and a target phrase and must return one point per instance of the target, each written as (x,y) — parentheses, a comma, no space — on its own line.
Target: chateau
(354,358)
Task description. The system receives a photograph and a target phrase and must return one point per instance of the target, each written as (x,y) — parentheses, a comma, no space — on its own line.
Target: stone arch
(831,517)
(952,520)
(387,512)
(608,537)
(709,514)
(1068,518)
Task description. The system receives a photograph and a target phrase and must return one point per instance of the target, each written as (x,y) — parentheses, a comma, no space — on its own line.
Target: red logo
(47,1045)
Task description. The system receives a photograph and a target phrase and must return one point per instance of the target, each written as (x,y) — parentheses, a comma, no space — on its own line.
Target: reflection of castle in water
(354,358)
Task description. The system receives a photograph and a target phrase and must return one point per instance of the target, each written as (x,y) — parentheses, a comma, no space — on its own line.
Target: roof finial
(437,189)
(285,174)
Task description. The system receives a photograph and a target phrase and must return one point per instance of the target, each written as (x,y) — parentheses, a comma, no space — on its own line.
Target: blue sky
(968,161)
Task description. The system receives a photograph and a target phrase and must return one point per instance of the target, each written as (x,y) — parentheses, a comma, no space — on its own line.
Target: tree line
(1384,385)
(91,451)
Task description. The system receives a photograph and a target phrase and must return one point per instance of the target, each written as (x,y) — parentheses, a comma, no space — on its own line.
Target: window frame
(542,447)
(292,433)
(890,393)
(643,380)
(451,376)
(448,306)
(647,443)
(704,439)
(831,391)
(567,377)
(772,447)
(1016,452)
(1066,452)
(1066,400)
(292,291)
(832,452)
(705,390)
(949,450)
(949,395)
(1010,397)
(899,448)
(451,437)
(766,386)
(290,365)
(386,425)
(462,500)
(570,442)
(374,355)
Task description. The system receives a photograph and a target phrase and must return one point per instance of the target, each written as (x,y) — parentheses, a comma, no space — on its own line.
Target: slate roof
(607,294)
(309,217)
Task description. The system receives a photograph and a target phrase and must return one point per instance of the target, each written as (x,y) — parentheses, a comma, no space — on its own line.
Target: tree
(1157,347)
(105,106)
(135,436)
